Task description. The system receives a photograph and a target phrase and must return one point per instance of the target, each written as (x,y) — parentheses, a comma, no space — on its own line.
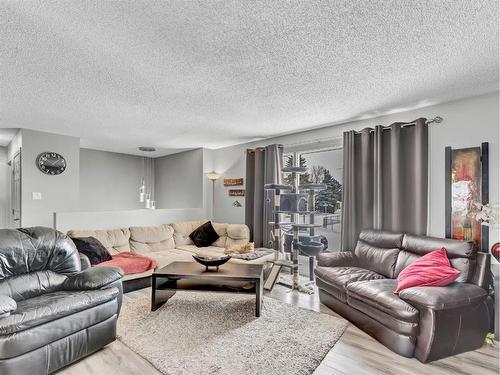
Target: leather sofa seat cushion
(335,280)
(377,259)
(379,294)
(51,306)
(114,240)
(25,342)
(456,295)
(148,239)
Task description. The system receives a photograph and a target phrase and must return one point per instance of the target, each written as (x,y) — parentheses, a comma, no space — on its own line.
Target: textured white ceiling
(184,74)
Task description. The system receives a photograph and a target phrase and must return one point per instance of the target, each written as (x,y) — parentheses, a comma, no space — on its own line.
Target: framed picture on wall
(237,192)
(466,188)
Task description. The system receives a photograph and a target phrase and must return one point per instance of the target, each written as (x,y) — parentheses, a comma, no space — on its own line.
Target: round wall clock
(51,163)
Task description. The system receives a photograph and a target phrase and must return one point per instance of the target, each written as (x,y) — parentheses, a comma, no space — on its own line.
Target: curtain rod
(436,120)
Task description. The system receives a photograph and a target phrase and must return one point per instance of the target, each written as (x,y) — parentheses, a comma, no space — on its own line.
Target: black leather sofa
(51,313)
(428,323)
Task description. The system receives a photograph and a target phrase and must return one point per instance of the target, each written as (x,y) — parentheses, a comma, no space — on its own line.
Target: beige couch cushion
(229,234)
(237,234)
(114,240)
(164,258)
(182,230)
(145,240)
(221,229)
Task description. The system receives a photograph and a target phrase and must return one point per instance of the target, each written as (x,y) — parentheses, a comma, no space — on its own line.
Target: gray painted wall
(179,180)
(466,123)
(59,193)
(109,181)
(4,189)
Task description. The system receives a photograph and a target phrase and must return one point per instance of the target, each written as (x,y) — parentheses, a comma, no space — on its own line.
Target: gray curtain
(263,166)
(385,180)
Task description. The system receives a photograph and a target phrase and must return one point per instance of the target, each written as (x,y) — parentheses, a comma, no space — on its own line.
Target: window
(323,167)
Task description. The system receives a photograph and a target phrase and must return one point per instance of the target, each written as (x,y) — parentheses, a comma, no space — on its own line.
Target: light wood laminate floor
(356,353)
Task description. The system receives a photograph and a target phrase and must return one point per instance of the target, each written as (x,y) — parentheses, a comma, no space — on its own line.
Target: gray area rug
(215,333)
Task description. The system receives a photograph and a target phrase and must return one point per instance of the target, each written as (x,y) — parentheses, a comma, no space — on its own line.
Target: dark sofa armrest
(7,306)
(444,297)
(337,259)
(93,278)
(84,261)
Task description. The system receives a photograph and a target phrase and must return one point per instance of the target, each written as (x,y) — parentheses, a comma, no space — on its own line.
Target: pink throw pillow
(433,269)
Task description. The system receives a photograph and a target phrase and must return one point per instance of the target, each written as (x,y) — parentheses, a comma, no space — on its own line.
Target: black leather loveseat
(51,313)
(428,323)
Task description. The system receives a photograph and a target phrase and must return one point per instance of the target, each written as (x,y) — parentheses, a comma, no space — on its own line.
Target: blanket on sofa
(130,263)
(256,254)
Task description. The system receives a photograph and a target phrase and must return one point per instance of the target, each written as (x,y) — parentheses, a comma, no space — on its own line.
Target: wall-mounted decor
(237,192)
(51,163)
(466,189)
(233,181)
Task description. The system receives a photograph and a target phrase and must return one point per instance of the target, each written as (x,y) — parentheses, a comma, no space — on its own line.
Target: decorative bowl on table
(211,261)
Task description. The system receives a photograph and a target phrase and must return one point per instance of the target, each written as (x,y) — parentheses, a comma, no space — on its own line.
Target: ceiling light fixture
(147,184)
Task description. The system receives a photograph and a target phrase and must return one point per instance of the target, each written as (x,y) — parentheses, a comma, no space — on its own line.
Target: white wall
(109,181)
(59,192)
(179,180)
(4,189)
(65,221)
(467,122)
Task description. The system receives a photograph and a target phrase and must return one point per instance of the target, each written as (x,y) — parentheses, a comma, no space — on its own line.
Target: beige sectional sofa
(170,242)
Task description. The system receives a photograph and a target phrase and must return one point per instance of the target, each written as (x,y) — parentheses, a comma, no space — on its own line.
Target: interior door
(16,190)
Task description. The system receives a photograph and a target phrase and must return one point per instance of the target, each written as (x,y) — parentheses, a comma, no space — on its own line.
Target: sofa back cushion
(237,234)
(382,238)
(114,240)
(35,249)
(182,230)
(229,234)
(145,240)
(377,259)
(462,254)
(377,251)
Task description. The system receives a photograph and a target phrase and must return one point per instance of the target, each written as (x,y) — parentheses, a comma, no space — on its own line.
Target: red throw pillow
(433,269)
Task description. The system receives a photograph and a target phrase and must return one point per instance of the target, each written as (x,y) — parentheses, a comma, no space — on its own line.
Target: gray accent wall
(4,189)
(109,181)
(59,193)
(179,180)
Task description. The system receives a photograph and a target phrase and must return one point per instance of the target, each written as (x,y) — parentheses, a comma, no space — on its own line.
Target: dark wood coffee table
(194,276)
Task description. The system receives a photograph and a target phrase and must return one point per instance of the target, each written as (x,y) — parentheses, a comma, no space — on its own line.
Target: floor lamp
(213,176)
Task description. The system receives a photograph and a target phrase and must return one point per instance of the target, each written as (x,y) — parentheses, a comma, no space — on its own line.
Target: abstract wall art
(466,188)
